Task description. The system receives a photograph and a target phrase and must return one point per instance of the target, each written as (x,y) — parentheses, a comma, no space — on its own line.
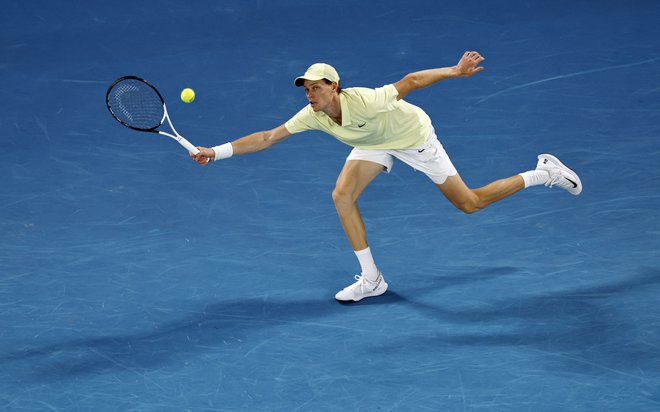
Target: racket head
(135,103)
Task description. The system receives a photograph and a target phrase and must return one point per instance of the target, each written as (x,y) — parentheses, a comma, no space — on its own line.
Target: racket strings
(136,104)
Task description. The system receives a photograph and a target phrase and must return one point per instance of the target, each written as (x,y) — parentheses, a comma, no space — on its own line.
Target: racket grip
(192,149)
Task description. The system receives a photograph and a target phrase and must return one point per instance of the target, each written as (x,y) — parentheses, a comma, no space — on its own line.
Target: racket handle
(182,141)
(192,149)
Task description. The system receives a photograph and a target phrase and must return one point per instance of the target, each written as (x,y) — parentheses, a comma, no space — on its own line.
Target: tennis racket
(137,104)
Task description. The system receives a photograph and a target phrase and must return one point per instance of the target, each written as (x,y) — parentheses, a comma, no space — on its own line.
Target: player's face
(319,94)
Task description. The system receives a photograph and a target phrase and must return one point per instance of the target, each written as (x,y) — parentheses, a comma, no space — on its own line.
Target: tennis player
(381,126)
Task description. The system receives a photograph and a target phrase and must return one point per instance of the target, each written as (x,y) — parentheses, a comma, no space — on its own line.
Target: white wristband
(224,151)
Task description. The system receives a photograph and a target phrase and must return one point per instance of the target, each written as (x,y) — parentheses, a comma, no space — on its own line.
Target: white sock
(369,269)
(535,177)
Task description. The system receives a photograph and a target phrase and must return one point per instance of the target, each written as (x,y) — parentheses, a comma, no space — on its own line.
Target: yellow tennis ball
(187,95)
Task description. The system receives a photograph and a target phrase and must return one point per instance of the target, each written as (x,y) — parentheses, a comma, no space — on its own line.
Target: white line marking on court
(565,76)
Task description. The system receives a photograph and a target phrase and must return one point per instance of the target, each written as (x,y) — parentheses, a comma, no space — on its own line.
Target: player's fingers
(199,153)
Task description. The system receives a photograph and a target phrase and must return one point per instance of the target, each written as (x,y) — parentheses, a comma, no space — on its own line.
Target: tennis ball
(187,95)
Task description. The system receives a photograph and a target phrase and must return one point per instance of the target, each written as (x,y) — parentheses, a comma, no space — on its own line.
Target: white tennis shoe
(361,289)
(559,175)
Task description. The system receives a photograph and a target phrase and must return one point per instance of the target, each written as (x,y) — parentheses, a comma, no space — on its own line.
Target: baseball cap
(318,71)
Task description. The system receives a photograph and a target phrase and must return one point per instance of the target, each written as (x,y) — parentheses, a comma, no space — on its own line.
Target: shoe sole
(578,189)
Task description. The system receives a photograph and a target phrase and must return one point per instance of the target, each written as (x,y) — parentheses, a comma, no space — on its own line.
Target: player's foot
(560,175)
(363,288)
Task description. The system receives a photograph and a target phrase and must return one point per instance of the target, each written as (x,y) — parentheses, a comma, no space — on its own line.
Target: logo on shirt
(362,125)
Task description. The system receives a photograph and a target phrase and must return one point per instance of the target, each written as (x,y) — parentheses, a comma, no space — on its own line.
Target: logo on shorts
(420,151)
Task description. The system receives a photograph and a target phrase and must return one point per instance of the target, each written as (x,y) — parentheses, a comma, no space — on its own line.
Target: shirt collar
(345,113)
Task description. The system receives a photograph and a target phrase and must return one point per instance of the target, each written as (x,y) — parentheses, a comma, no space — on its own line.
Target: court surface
(131,279)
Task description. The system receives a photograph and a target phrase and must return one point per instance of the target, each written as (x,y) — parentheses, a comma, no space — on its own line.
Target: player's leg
(471,200)
(549,171)
(353,179)
(432,160)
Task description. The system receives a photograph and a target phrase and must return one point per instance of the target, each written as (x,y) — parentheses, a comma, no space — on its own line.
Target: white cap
(318,71)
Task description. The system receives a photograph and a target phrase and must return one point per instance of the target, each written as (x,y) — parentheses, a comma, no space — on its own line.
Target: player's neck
(334,110)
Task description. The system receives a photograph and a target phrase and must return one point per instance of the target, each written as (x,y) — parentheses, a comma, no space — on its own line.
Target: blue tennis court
(132,279)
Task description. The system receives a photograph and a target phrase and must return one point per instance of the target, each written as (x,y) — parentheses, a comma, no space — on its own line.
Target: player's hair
(338,85)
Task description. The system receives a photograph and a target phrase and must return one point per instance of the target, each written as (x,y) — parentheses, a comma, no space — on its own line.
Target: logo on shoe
(572,182)
(380,279)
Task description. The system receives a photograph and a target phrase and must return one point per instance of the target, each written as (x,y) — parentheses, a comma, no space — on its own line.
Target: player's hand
(469,63)
(204,157)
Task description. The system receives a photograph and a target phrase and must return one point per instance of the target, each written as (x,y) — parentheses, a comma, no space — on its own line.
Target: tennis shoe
(559,175)
(361,289)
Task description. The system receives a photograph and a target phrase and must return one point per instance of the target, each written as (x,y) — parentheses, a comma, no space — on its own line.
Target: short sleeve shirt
(371,119)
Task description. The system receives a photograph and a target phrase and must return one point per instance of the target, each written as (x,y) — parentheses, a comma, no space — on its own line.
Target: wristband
(224,151)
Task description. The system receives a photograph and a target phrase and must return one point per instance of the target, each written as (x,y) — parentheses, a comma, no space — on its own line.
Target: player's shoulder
(305,115)
(369,96)
(304,111)
(357,91)
(360,93)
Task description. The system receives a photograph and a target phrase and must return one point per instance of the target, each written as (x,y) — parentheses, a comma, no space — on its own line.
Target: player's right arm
(259,141)
(252,143)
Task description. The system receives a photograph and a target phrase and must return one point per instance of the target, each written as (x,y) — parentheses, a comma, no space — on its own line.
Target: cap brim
(301,80)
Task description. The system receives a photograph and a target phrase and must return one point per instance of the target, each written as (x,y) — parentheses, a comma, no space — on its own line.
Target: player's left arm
(467,66)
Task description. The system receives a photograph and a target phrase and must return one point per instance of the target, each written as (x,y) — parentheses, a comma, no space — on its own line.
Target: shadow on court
(150,349)
(581,330)
(574,324)
(210,327)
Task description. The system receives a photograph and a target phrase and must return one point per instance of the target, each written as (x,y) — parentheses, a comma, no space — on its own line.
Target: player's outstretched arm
(255,142)
(467,66)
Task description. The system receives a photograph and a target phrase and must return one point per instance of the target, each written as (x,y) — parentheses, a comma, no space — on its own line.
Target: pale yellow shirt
(370,119)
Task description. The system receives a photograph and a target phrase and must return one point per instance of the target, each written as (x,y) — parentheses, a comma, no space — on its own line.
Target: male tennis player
(380,126)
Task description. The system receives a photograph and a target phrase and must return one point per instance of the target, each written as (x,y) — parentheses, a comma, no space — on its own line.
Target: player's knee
(467,206)
(469,209)
(341,197)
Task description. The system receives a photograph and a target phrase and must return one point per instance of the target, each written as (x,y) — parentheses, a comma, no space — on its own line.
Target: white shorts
(430,159)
